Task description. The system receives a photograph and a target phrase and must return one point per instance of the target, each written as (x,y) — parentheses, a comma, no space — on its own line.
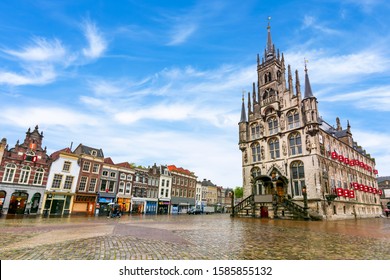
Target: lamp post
(232,202)
(305,207)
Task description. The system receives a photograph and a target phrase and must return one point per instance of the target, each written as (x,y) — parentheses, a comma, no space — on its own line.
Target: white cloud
(96,42)
(325,68)
(37,75)
(374,98)
(41,50)
(46,116)
(377,145)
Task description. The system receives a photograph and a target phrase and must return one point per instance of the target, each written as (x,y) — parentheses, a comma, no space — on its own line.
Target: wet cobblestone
(211,237)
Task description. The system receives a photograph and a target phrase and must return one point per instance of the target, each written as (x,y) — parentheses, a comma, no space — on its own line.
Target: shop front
(151,207)
(163,207)
(58,204)
(125,203)
(138,206)
(18,202)
(103,206)
(181,205)
(84,204)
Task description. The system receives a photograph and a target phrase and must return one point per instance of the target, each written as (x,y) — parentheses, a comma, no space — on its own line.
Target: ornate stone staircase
(282,209)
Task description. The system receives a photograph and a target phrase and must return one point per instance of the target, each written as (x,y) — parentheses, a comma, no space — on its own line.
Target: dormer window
(93,153)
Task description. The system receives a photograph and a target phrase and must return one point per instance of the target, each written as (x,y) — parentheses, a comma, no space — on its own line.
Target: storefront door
(57,207)
(35,203)
(17,203)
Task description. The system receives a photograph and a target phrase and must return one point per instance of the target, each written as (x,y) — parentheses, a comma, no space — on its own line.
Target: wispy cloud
(41,50)
(46,116)
(181,34)
(311,22)
(96,42)
(31,75)
(327,68)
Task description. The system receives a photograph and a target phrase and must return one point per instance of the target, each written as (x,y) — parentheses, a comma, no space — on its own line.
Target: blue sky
(161,81)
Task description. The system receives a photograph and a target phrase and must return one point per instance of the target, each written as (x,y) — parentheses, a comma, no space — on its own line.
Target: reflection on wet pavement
(216,237)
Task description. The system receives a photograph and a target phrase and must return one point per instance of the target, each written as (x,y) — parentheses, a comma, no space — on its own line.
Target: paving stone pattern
(185,237)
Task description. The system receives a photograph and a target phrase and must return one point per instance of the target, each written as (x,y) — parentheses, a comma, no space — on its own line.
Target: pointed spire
(297,83)
(308,92)
(249,103)
(270,47)
(254,93)
(243,114)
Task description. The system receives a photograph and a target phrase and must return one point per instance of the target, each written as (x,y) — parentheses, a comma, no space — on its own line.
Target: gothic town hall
(295,164)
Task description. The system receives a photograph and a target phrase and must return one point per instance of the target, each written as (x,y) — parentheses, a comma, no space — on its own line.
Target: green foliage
(238,192)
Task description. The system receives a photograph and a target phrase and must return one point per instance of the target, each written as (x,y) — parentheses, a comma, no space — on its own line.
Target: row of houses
(84,181)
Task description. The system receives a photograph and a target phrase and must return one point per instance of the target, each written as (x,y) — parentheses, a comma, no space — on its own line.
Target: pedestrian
(387,212)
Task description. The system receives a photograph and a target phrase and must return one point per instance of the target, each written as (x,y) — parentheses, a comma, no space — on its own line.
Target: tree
(238,192)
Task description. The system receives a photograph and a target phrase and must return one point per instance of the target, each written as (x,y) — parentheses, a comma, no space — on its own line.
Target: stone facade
(291,154)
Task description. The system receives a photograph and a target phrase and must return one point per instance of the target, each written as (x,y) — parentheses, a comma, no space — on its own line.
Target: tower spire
(270,47)
(308,92)
(243,114)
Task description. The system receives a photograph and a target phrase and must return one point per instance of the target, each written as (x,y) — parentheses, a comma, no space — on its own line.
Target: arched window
(25,175)
(274,148)
(255,172)
(38,177)
(9,172)
(256,152)
(255,131)
(293,119)
(297,177)
(273,125)
(121,187)
(295,144)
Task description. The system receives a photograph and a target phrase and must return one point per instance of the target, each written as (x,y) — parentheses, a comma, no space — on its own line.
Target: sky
(161,81)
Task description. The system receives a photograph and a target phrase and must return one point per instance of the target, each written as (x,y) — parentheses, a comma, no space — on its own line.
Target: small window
(86,166)
(56,184)
(93,153)
(66,166)
(95,168)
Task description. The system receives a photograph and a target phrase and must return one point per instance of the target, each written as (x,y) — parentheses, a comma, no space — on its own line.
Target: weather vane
(269,19)
(305,61)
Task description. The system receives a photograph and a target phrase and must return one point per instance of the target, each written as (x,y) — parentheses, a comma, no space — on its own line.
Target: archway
(17,203)
(35,203)
(262,185)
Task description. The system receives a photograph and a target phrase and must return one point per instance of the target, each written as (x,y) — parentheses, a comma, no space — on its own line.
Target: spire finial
(305,61)
(270,47)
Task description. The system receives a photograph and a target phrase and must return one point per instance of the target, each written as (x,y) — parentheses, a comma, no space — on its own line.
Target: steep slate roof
(87,150)
(383,178)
